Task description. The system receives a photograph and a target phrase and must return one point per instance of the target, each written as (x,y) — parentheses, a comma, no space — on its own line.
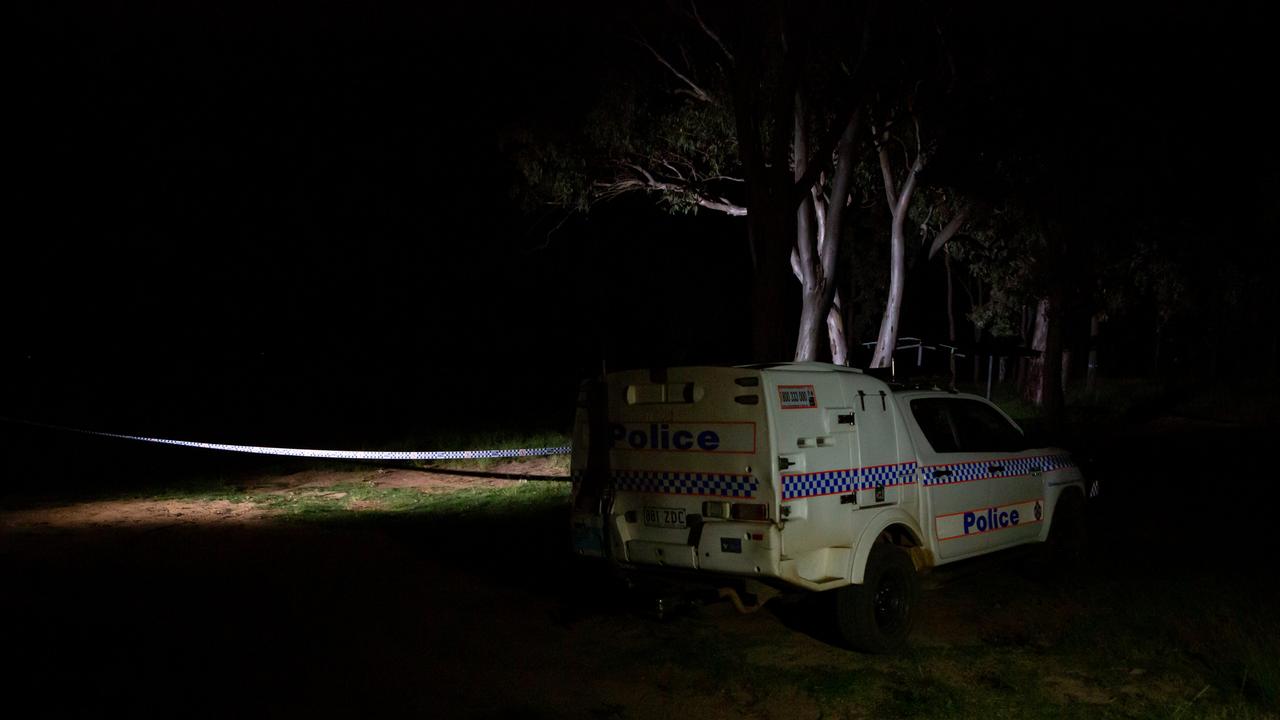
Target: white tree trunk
(819,220)
(887,340)
(836,334)
(899,201)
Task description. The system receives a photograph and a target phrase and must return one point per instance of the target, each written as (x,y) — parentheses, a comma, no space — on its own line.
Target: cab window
(934,420)
(963,425)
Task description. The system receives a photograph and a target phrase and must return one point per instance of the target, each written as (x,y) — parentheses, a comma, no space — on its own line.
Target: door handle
(941,473)
(994,469)
(1035,470)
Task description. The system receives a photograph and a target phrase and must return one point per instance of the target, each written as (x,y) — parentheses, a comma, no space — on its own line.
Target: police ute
(808,476)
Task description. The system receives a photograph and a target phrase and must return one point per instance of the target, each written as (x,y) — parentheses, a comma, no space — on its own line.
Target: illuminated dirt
(146,512)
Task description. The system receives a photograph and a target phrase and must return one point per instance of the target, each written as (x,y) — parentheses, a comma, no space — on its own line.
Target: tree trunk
(887,340)
(1032,385)
(764,149)
(818,231)
(899,201)
(771,234)
(835,333)
(1044,372)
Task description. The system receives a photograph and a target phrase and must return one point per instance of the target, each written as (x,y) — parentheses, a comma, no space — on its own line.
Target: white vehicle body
(791,473)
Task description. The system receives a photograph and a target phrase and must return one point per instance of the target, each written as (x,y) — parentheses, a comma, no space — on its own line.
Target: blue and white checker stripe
(333,454)
(968,471)
(827,482)
(686,483)
(831,482)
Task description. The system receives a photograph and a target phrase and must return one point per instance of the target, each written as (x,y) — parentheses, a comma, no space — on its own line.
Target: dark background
(298,223)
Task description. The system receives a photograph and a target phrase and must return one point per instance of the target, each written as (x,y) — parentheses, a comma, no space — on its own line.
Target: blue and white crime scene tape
(333,454)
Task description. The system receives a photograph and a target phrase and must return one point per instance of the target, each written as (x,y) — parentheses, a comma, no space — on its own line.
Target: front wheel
(877,616)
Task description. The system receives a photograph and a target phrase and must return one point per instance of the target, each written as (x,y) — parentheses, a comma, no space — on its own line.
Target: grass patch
(489,440)
(343,500)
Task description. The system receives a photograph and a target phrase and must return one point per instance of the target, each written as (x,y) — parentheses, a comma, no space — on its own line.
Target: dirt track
(149,513)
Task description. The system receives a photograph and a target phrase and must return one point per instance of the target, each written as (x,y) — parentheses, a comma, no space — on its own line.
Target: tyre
(877,616)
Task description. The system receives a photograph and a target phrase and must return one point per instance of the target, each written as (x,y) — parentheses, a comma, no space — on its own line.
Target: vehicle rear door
(816,444)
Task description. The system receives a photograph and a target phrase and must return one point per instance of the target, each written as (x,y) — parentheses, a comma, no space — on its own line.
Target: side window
(983,429)
(934,419)
(960,425)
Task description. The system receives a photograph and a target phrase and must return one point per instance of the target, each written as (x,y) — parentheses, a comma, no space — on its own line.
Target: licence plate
(660,517)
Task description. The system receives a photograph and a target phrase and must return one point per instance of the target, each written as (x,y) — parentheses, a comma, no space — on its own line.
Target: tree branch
(908,188)
(886,174)
(841,185)
(806,239)
(644,180)
(949,231)
(818,161)
(694,90)
(846,114)
(820,213)
(706,29)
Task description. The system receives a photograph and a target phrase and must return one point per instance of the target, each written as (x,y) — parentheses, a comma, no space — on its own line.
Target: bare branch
(924,224)
(642,179)
(709,32)
(886,173)
(674,172)
(949,231)
(721,205)
(642,171)
(919,144)
(694,90)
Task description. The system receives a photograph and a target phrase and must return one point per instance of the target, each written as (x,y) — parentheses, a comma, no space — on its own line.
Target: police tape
(328,454)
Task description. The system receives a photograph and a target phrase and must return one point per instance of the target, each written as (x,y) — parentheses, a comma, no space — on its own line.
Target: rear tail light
(749,511)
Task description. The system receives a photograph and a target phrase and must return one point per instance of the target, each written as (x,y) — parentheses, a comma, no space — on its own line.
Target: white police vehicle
(812,476)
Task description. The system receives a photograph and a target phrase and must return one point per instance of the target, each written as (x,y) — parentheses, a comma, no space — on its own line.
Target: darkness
(301,220)
(235,216)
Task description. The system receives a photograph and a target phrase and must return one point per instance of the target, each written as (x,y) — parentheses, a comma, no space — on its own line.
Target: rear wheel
(877,616)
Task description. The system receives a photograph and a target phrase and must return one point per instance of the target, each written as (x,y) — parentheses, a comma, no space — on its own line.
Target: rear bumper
(749,549)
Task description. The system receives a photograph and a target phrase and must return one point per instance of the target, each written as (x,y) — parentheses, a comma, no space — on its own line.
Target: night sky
(227,215)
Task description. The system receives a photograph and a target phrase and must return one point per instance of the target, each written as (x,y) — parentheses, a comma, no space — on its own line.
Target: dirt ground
(143,512)
(159,607)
